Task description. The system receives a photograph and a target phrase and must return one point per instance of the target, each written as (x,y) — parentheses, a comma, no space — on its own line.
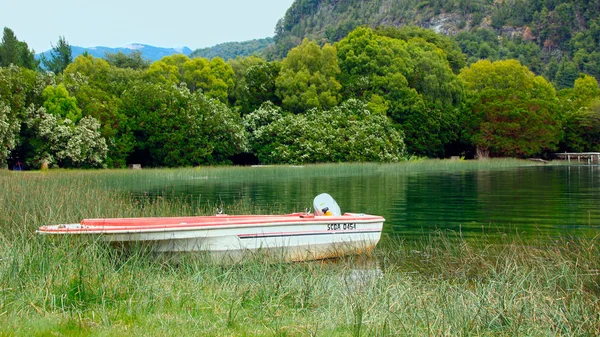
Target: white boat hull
(292,237)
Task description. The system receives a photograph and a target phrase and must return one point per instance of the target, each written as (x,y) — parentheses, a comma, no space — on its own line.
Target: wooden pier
(580,157)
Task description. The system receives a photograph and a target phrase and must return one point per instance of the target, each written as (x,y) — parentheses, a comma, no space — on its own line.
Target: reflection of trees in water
(440,201)
(529,200)
(535,200)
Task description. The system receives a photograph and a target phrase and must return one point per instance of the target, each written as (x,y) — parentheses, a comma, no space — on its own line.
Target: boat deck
(197,222)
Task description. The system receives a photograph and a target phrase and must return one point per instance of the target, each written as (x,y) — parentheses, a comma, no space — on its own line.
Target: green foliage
(232,50)
(19,88)
(512,112)
(308,78)
(13,51)
(449,49)
(215,78)
(59,103)
(134,60)
(9,130)
(582,116)
(240,65)
(94,69)
(95,85)
(484,43)
(60,56)
(347,133)
(566,75)
(411,81)
(373,65)
(175,127)
(61,142)
(533,32)
(582,130)
(254,83)
(163,72)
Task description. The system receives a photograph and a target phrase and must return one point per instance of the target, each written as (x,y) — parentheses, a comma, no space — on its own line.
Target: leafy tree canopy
(60,56)
(512,111)
(308,78)
(582,116)
(60,142)
(13,51)
(348,132)
(411,81)
(173,126)
(58,102)
(450,50)
(215,77)
(133,60)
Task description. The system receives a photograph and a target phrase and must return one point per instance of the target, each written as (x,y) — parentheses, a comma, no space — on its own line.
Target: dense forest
(231,50)
(338,92)
(553,38)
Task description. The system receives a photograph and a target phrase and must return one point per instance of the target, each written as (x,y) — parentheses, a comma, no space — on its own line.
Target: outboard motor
(325,205)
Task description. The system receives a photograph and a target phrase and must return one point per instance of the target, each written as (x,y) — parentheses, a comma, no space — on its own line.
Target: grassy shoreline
(440,284)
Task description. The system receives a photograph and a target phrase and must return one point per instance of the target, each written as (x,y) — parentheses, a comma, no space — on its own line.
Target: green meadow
(440,284)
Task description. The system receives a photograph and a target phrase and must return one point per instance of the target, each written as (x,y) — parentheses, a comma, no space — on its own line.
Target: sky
(160,23)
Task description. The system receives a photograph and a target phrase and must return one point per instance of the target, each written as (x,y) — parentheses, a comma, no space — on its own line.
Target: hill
(552,37)
(231,50)
(150,53)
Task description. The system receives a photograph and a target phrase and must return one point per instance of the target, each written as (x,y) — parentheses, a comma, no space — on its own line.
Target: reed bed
(441,284)
(286,172)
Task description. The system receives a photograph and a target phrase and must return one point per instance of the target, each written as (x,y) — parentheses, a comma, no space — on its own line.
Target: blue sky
(116,23)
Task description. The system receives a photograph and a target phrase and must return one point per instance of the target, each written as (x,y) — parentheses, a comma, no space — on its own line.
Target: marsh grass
(440,284)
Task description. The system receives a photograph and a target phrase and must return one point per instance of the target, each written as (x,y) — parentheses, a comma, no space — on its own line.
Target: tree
(245,98)
(134,60)
(215,77)
(349,132)
(59,103)
(566,75)
(19,89)
(13,51)
(9,50)
(411,81)
(60,142)
(374,69)
(450,49)
(163,72)
(429,131)
(93,83)
(60,57)
(174,127)
(512,111)
(9,131)
(582,116)
(94,69)
(308,78)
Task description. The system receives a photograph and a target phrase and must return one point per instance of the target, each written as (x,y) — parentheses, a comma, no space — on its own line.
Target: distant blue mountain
(148,52)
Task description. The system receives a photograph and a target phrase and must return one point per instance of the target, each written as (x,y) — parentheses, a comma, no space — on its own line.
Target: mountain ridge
(149,52)
(547,36)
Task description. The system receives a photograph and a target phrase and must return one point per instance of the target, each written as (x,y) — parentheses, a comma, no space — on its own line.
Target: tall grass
(283,172)
(442,284)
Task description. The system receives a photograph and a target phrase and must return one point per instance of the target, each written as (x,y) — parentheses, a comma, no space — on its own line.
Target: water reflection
(531,200)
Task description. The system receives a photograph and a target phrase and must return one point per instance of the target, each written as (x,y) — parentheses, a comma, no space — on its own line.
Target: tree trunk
(482,154)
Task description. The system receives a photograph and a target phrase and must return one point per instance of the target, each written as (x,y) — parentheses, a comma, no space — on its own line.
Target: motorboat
(324,233)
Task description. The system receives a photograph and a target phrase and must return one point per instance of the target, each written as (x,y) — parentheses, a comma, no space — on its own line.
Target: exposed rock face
(449,23)
(445,23)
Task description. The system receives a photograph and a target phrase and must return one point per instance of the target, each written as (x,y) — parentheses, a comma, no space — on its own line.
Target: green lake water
(529,200)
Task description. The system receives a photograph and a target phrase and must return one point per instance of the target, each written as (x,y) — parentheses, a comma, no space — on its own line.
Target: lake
(530,200)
